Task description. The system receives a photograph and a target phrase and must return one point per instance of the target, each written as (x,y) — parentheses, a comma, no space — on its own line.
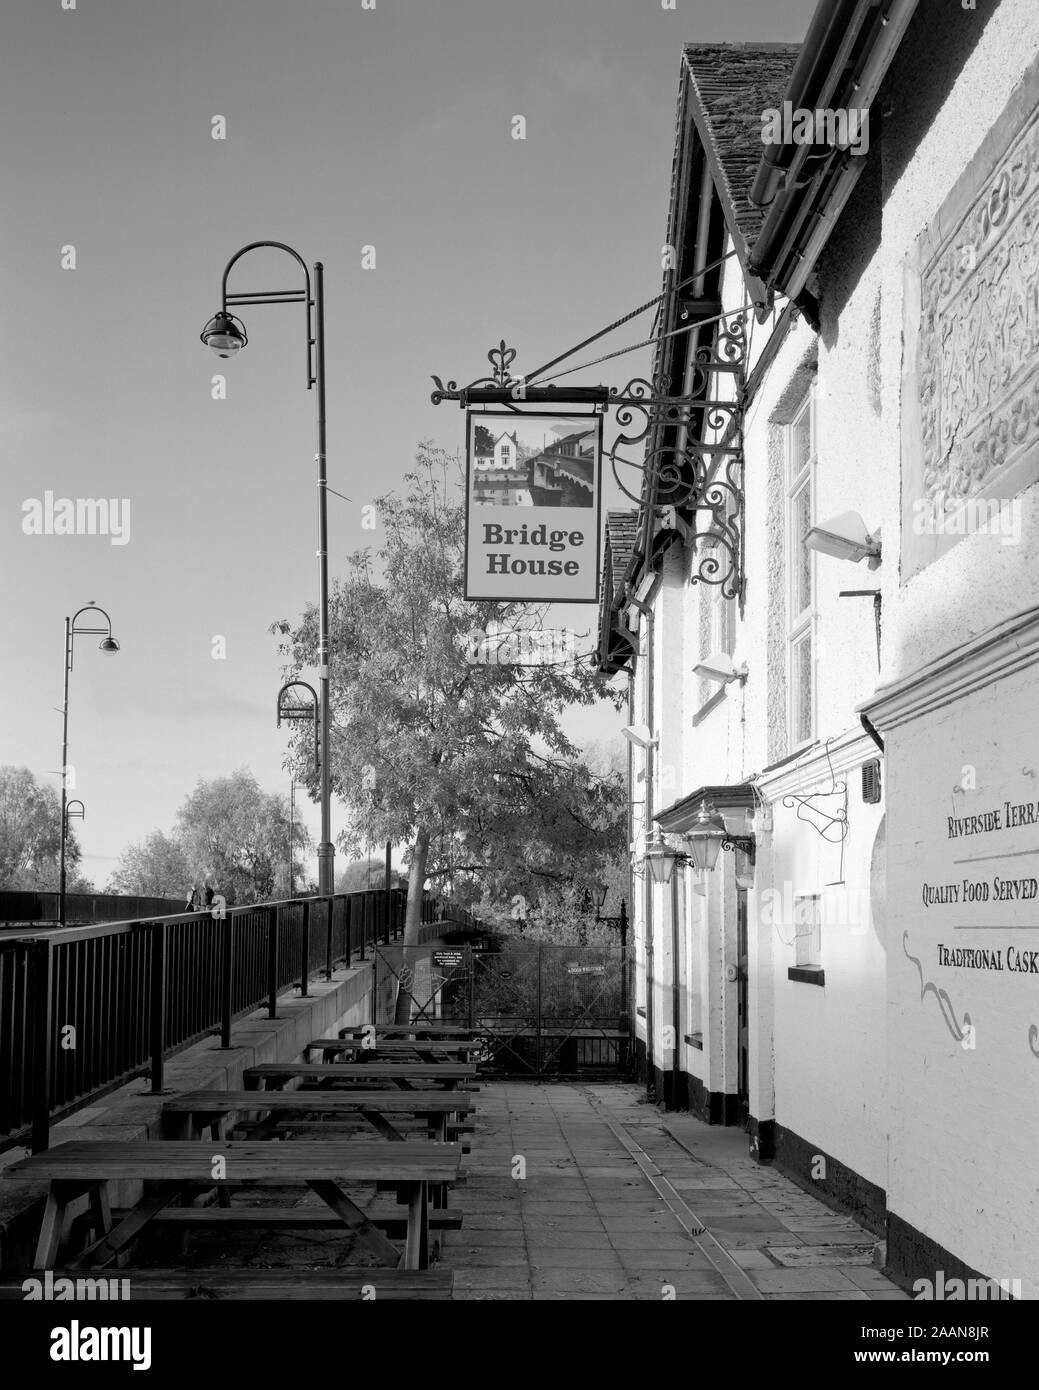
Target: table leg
(119,1239)
(354,1219)
(416,1251)
(382,1124)
(49,1241)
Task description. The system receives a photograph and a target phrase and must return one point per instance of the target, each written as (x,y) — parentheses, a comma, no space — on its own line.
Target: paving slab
(613,1200)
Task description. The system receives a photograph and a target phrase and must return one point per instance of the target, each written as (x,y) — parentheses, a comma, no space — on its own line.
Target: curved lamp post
(108,645)
(226,335)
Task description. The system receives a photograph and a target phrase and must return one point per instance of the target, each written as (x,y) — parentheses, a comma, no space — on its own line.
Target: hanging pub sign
(533,487)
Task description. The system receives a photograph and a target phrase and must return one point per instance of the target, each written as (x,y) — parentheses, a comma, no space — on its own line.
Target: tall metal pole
(292,818)
(326,849)
(64,770)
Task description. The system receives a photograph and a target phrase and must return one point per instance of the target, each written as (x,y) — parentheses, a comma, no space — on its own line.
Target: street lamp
(108,645)
(226,335)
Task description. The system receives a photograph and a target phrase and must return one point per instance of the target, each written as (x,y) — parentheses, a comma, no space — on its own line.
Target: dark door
(742,1010)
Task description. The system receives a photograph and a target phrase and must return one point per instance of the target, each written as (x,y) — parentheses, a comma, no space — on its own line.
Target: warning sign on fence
(447,959)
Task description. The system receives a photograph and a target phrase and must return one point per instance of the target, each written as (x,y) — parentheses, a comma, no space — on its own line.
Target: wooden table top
(418,1071)
(393,1047)
(415,1102)
(192,1161)
(404,1030)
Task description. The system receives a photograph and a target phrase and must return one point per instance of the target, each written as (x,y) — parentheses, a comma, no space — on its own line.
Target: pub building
(839,713)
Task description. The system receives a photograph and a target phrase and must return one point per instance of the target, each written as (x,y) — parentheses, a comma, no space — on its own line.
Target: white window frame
(803,623)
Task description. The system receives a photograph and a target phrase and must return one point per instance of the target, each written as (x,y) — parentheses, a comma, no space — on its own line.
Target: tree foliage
(156,867)
(30,834)
(229,833)
(465,761)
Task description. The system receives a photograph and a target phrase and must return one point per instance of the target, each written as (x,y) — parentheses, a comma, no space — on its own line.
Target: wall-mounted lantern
(708,835)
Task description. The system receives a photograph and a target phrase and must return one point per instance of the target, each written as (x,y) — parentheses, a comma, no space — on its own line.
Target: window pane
(807,931)
(800,441)
(801,556)
(802,688)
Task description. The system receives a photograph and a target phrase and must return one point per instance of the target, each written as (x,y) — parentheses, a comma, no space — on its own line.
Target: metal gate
(542,1009)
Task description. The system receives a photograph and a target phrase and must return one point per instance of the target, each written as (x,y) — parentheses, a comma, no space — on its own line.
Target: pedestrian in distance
(189,906)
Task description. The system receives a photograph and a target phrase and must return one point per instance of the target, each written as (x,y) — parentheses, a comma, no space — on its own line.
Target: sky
(388,127)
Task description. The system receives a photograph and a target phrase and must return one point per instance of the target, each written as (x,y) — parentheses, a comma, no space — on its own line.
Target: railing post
(41,958)
(348,912)
(157,1004)
(328,937)
(272,962)
(227,981)
(305,970)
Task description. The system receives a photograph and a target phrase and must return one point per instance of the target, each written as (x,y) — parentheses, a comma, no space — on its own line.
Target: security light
(719,666)
(846,538)
(640,736)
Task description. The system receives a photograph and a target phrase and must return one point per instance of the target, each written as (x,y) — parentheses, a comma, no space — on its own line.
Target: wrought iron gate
(543,1009)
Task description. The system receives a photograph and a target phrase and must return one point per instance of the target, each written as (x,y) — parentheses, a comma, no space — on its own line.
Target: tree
(30,834)
(236,836)
(362,874)
(464,760)
(157,866)
(483,440)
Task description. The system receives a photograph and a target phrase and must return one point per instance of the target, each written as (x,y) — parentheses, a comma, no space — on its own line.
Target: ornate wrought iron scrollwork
(501,359)
(690,447)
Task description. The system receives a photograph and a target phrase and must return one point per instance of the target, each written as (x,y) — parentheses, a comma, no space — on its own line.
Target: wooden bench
(269,1285)
(409,1030)
(448,1075)
(189,1114)
(383,1049)
(388,1218)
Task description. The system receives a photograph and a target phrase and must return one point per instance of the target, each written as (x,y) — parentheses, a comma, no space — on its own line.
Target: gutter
(783,255)
(821,44)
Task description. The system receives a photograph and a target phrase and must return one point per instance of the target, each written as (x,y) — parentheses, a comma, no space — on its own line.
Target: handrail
(84,1009)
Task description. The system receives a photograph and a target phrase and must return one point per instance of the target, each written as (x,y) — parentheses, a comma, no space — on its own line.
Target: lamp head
(224,334)
(705,837)
(108,644)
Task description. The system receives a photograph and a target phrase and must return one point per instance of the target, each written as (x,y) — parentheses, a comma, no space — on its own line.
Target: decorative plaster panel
(970,385)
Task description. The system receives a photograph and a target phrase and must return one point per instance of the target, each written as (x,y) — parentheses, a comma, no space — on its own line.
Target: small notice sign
(447,960)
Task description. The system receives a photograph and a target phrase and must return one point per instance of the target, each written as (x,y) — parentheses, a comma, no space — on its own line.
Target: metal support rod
(388,893)
(272,962)
(305,963)
(330,924)
(226,981)
(41,964)
(157,1009)
(64,773)
(325,850)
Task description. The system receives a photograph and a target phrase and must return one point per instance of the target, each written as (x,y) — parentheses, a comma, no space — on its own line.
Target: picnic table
(408,1030)
(189,1114)
(383,1049)
(445,1075)
(167,1169)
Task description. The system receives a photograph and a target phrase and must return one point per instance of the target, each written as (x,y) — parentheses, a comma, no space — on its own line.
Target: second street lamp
(108,645)
(226,335)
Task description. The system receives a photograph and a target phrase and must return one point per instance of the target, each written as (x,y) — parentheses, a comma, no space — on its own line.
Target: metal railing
(25,908)
(85,1009)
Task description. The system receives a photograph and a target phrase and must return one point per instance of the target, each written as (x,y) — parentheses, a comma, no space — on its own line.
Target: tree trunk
(412,925)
